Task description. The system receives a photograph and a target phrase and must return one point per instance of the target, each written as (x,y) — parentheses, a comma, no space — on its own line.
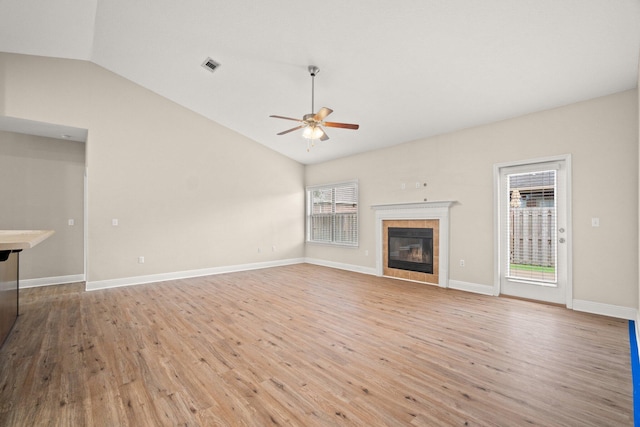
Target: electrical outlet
(595,222)
(72,222)
(140,260)
(273,248)
(366,252)
(114,222)
(461,263)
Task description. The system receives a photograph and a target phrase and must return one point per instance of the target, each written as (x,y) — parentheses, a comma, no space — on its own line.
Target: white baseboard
(163,277)
(471,287)
(620,312)
(48,281)
(340,266)
(617,311)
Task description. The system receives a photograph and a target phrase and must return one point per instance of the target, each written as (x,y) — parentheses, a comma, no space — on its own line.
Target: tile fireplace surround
(405,215)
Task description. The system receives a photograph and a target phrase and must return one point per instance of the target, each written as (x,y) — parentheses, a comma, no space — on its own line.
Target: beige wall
(602,137)
(42,188)
(188,193)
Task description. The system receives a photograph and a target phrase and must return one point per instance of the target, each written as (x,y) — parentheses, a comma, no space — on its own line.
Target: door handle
(562,240)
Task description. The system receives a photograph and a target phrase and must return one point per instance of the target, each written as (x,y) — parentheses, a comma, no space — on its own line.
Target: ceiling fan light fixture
(312,132)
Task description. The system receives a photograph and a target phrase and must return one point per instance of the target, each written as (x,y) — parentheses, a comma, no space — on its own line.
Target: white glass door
(534,234)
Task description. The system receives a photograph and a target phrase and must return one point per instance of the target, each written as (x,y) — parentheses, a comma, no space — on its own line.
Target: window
(532,222)
(332,214)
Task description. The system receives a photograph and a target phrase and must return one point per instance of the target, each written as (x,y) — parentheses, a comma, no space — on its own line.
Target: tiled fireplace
(412,221)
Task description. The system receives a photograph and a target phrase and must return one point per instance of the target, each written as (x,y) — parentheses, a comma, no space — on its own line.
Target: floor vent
(210,64)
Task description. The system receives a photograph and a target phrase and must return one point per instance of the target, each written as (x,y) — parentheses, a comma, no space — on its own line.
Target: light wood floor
(308,346)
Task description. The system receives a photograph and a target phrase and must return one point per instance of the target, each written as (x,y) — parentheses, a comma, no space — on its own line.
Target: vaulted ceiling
(403,70)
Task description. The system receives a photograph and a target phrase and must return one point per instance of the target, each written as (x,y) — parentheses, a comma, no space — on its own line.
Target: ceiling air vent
(210,64)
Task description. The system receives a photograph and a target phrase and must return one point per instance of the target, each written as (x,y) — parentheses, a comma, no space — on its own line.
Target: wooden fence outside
(532,235)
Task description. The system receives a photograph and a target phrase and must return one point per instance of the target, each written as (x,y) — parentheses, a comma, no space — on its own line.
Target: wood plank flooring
(304,345)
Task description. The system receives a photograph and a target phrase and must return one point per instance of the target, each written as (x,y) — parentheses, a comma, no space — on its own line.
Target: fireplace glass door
(410,249)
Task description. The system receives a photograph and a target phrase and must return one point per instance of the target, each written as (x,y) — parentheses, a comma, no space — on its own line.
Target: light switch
(114,222)
(72,222)
(595,222)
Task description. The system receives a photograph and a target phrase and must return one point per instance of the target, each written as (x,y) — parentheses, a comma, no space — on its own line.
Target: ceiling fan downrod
(313,70)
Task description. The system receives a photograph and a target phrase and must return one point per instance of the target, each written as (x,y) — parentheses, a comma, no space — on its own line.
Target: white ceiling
(403,70)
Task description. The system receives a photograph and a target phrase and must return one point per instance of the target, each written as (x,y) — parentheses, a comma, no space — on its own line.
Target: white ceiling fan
(312,123)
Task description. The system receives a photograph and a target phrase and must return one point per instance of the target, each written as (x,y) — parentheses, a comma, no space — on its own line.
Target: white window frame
(333,214)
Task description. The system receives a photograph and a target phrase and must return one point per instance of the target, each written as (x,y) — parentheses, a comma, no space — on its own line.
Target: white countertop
(22,239)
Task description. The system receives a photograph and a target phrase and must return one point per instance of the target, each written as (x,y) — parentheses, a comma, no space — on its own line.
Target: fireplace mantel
(417,210)
(414,206)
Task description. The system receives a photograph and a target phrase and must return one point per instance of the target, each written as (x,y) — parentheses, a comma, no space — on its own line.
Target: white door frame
(497,226)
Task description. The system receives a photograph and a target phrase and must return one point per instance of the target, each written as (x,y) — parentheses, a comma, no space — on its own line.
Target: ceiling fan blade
(324,136)
(320,115)
(291,130)
(340,125)
(286,118)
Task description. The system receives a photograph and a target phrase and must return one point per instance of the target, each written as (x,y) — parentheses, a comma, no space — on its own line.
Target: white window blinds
(531,221)
(332,214)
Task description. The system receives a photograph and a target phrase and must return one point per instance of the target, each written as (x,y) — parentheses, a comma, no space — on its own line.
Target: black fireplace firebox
(411,249)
